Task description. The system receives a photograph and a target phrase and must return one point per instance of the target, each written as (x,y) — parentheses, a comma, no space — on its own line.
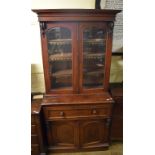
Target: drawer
(34,139)
(35,150)
(33,129)
(76,112)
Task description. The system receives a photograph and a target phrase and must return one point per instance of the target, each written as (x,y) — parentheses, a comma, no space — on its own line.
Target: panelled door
(77,134)
(62,134)
(93,133)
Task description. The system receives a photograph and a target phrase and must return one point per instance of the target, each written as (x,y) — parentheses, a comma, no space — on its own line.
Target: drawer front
(76,112)
(34,139)
(33,129)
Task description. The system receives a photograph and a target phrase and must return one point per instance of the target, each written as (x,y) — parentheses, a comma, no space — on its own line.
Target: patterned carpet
(115,149)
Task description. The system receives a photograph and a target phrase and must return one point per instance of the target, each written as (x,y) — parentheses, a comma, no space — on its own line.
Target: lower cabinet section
(81,125)
(77,135)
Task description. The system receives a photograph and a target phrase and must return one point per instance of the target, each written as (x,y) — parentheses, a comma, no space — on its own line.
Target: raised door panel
(62,135)
(59,56)
(93,49)
(93,133)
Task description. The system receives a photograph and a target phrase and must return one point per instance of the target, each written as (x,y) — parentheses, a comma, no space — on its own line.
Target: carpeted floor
(115,149)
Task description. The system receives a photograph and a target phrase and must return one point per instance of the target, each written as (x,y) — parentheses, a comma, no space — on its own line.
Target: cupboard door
(93,133)
(62,134)
(60,57)
(92,55)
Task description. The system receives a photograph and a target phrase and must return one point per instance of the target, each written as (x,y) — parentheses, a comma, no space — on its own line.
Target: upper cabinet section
(76,49)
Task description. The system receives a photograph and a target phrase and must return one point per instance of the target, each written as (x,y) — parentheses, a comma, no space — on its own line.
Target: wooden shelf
(94,40)
(60,57)
(58,74)
(68,56)
(93,55)
(68,72)
(59,41)
(94,73)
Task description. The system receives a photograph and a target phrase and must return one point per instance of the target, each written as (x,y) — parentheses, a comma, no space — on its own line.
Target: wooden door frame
(73,28)
(103,25)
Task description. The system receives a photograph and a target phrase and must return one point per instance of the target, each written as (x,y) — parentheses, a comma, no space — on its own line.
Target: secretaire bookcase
(76,52)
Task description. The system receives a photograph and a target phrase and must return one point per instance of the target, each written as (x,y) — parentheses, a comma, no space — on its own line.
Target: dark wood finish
(117,118)
(70,99)
(76,15)
(80,119)
(83,26)
(62,135)
(77,112)
(72,19)
(37,142)
(108,55)
(76,118)
(72,28)
(93,133)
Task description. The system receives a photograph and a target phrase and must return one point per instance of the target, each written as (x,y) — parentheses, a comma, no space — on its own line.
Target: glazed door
(60,58)
(93,49)
(94,133)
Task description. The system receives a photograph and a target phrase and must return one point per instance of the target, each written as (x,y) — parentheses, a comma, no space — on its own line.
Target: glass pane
(60,54)
(93,57)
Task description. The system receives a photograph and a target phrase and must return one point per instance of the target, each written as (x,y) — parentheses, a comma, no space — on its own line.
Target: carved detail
(111,26)
(43,27)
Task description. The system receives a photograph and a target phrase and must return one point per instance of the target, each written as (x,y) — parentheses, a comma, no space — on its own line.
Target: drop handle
(62,113)
(94,111)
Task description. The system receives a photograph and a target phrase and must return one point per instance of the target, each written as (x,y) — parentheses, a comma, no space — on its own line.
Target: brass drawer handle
(109,99)
(62,113)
